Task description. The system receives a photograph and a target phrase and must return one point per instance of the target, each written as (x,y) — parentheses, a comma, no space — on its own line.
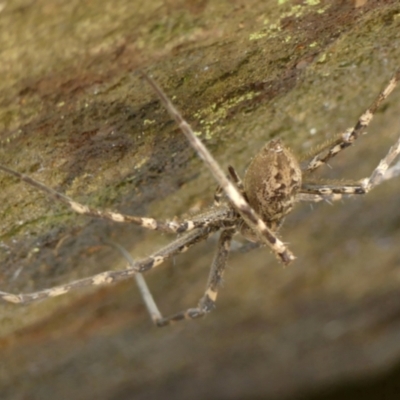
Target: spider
(255,208)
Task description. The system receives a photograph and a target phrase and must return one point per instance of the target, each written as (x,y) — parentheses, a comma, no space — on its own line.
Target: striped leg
(105,278)
(264,234)
(206,303)
(200,221)
(336,191)
(347,138)
(316,198)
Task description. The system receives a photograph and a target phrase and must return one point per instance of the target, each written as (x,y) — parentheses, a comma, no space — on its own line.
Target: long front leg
(264,234)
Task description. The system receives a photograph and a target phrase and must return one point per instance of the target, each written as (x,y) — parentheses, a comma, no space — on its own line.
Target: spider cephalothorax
(256,208)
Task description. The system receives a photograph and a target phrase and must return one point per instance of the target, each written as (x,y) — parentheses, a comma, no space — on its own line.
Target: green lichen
(312,2)
(273,29)
(209,117)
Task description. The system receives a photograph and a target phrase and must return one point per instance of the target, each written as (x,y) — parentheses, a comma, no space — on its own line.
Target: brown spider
(256,208)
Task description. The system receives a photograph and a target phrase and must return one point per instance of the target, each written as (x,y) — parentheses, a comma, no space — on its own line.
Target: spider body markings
(273,183)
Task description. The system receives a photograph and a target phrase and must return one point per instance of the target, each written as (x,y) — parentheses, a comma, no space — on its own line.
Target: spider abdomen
(272,181)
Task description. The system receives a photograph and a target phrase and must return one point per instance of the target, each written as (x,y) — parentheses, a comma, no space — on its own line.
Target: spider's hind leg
(347,138)
(335,191)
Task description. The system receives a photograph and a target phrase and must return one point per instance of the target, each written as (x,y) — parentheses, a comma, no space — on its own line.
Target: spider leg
(316,198)
(335,191)
(180,245)
(206,303)
(392,172)
(264,234)
(236,180)
(144,290)
(199,221)
(218,194)
(347,138)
